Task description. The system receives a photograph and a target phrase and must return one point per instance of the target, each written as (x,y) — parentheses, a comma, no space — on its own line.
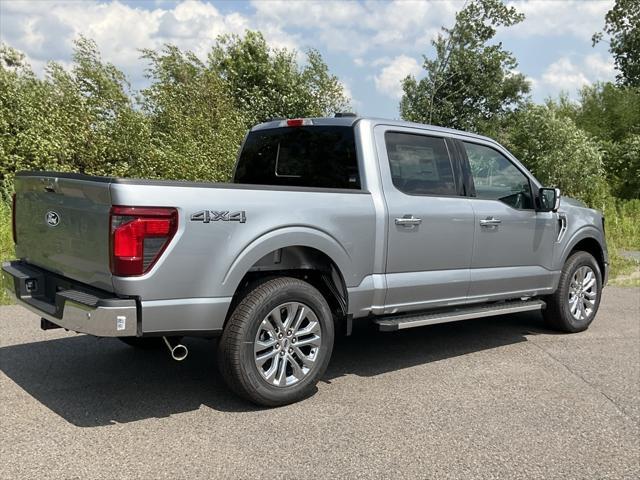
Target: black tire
(236,356)
(558,312)
(148,343)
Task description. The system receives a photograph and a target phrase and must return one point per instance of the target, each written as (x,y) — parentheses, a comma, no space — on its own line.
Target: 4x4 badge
(207,216)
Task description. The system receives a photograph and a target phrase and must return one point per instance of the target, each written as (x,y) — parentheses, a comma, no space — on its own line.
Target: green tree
(622,25)
(196,130)
(611,114)
(470,84)
(267,82)
(558,152)
(27,120)
(100,128)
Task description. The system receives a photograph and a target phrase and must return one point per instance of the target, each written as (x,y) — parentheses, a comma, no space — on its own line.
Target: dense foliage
(560,153)
(265,82)
(187,124)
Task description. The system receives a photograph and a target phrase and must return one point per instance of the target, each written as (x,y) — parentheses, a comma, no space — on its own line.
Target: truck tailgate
(62,225)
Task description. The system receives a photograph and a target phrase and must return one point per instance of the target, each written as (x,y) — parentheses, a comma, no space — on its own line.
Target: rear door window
(420,164)
(308,156)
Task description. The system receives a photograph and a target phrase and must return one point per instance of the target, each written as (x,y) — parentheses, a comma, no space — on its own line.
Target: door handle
(408,221)
(490,222)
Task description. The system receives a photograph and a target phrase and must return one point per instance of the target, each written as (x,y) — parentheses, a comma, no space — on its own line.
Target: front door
(430,222)
(513,247)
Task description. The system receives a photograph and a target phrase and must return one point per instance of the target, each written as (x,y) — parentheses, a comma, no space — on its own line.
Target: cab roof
(350,121)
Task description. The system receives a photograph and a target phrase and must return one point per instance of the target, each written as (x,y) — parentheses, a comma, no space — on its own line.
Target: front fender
(583,233)
(288,237)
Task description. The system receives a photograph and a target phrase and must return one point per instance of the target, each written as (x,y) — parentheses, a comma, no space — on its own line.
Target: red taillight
(295,122)
(139,235)
(13,218)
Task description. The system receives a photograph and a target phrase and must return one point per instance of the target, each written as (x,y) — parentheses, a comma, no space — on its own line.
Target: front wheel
(277,342)
(573,306)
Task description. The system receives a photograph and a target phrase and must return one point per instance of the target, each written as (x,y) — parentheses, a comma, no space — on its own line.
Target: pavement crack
(586,382)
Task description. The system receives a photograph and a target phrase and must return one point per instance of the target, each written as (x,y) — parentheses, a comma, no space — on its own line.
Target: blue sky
(369,45)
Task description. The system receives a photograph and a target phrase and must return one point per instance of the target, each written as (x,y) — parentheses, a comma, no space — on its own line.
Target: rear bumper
(68,304)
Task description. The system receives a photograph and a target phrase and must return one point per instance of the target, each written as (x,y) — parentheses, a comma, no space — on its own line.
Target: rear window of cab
(305,156)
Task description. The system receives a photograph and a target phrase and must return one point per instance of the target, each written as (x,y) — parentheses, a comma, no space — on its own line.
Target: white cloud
(600,68)
(389,80)
(566,75)
(578,18)
(355,28)
(45,30)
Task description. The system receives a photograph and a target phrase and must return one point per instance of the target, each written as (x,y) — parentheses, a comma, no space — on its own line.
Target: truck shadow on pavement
(94,382)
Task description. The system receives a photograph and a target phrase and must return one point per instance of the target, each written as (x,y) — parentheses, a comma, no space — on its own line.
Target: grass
(622,225)
(623,233)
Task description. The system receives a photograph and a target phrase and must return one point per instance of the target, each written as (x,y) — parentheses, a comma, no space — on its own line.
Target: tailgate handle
(49,184)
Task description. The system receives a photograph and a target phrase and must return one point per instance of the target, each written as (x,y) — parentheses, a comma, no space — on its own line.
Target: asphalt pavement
(498,397)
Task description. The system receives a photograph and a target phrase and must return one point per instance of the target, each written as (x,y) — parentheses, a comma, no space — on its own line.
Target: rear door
(62,226)
(514,244)
(430,222)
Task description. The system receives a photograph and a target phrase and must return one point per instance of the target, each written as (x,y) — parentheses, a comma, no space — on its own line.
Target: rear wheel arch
(305,263)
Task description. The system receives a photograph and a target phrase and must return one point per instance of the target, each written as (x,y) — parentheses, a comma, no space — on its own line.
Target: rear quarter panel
(208,260)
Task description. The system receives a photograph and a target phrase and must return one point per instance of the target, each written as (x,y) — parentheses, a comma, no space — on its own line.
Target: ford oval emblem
(52,218)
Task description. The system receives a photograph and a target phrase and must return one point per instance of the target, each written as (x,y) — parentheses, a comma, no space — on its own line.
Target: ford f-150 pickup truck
(326,220)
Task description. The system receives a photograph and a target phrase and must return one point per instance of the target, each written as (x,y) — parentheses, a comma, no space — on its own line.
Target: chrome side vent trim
(562,229)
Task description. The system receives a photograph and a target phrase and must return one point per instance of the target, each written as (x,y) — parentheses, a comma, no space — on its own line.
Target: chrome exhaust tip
(178,352)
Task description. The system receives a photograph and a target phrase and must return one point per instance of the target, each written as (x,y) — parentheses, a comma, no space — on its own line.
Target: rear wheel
(575,303)
(277,342)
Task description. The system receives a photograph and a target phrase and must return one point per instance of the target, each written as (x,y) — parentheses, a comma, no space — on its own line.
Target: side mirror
(548,199)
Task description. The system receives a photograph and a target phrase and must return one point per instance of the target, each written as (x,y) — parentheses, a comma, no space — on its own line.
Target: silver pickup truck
(327,220)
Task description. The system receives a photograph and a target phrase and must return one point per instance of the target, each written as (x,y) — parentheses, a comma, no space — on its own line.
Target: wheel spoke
(589,283)
(261,359)
(573,304)
(590,295)
(281,376)
(277,318)
(300,315)
(307,360)
(313,340)
(312,327)
(291,308)
(270,374)
(582,313)
(297,370)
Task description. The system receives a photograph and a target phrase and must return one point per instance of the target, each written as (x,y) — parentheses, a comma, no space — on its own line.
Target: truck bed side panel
(207,259)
